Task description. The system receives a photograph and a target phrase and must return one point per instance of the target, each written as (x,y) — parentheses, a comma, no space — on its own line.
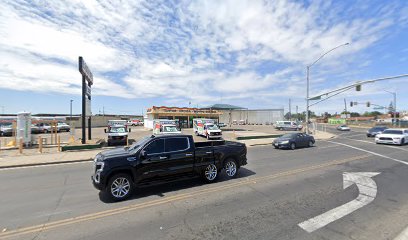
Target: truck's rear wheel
(210,173)
(120,187)
(231,168)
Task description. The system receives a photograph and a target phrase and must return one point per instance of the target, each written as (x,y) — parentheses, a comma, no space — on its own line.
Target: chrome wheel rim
(120,187)
(211,172)
(310,144)
(292,146)
(231,168)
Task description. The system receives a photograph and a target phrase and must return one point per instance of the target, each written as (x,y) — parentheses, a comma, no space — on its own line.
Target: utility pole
(70,109)
(345,107)
(297,112)
(394,106)
(103,110)
(290,109)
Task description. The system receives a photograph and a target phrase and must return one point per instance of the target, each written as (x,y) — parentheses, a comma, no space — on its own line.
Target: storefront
(184,116)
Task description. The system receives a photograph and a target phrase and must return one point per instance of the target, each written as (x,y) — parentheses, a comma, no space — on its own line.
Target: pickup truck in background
(164,158)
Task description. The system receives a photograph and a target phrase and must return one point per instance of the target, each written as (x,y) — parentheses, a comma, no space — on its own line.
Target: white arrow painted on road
(368,191)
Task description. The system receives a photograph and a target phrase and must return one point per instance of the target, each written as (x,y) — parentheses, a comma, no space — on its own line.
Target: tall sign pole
(87,81)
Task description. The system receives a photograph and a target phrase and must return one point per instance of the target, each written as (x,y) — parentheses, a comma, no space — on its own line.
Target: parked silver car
(63,127)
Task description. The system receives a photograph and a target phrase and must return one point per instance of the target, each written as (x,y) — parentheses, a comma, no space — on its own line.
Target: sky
(179,53)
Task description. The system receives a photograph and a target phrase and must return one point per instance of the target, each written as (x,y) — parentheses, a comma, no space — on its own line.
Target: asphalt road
(276,191)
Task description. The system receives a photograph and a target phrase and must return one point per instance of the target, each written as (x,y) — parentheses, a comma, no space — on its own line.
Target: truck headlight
(285,142)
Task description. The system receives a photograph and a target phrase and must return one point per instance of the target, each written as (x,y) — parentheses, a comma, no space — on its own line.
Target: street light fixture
(394,105)
(307,82)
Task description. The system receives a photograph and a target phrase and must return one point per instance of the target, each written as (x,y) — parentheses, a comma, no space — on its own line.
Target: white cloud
(196,50)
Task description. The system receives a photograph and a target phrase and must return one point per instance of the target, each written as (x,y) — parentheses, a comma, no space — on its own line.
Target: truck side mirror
(104,130)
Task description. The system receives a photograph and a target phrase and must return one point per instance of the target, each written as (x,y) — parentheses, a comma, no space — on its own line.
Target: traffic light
(368,104)
(351,104)
(358,88)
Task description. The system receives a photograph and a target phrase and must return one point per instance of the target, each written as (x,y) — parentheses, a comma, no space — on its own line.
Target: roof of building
(223,107)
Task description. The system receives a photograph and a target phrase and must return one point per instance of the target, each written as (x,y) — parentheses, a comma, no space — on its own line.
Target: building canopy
(224,107)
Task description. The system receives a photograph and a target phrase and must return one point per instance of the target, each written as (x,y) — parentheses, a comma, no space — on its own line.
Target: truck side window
(176,144)
(157,146)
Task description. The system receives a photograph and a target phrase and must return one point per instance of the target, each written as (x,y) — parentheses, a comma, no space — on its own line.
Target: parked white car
(392,136)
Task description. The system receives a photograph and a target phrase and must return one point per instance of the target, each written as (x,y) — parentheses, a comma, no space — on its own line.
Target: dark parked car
(372,132)
(164,158)
(294,140)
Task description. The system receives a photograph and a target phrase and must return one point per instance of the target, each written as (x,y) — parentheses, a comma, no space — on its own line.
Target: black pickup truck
(158,159)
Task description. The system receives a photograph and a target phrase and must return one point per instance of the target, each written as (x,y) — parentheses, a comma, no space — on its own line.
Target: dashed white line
(373,153)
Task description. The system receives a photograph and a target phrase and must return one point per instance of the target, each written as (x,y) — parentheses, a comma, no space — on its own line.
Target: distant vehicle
(117,132)
(63,127)
(343,128)
(6,130)
(372,132)
(242,122)
(134,122)
(294,140)
(44,127)
(35,129)
(221,125)
(162,159)
(207,128)
(287,125)
(392,136)
(165,126)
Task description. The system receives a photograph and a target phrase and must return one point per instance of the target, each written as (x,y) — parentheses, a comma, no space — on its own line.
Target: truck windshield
(117,130)
(170,129)
(212,127)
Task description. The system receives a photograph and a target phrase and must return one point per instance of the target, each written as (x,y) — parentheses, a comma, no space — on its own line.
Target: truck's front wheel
(210,173)
(231,168)
(120,187)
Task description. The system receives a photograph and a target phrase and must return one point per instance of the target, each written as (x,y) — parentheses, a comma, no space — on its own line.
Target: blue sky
(248,53)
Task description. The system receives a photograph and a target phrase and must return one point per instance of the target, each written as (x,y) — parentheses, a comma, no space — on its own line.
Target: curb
(43,164)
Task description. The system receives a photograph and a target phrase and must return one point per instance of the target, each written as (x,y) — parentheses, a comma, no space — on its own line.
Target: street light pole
(307,82)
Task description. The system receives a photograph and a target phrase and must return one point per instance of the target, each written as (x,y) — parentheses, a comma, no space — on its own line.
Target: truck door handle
(209,152)
(189,154)
(161,158)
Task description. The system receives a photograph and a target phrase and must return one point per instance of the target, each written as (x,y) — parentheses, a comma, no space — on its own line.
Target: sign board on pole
(84,70)
(88,107)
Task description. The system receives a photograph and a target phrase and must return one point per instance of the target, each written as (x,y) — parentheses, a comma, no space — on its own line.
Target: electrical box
(24,127)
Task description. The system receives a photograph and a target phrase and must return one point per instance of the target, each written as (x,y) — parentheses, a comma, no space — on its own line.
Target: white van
(287,125)
(117,132)
(206,128)
(165,126)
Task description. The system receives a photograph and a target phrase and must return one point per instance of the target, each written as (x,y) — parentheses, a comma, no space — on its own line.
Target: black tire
(293,146)
(120,187)
(210,173)
(311,143)
(231,168)
(276,147)
(402,142)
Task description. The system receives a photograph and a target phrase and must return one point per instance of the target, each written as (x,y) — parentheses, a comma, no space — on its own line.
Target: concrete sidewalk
(47,158)
(31,157)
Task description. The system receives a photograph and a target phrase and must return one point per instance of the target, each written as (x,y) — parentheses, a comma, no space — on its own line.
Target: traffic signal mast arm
(335,92)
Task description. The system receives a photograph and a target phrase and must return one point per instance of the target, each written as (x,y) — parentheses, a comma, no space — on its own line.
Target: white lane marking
(383,145)
(373,153)
(45,165)
(367,193)
(403,235)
